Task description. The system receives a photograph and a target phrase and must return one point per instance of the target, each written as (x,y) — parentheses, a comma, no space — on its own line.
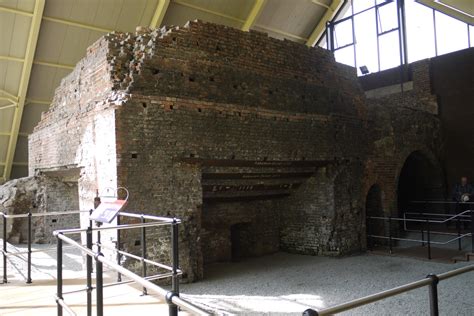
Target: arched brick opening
(421,178)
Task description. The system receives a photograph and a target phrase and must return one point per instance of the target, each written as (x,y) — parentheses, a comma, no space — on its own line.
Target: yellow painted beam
(457,14)
(11,58)
(9,95)
(36,101)
(38,62)
(55,65)
(4,134)
(254,14)
(321,26)
(15,11)
(77,24)
(160,12)
(8,106)
(25,78)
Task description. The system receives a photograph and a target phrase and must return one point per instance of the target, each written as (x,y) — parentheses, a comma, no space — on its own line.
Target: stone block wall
(39,194)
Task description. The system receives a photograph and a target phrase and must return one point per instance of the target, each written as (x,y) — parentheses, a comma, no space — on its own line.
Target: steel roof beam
(452,12)
(77,24)
(254,14)
(15,11)
(25,78)
(38,62)
(160,12)
(321,26)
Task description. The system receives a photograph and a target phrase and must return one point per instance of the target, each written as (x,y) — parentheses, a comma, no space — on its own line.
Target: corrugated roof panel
(31,117)
(19,36)
(21,152)
(13,76)
(41,82)
(294,17)
(178,14)
(50,41)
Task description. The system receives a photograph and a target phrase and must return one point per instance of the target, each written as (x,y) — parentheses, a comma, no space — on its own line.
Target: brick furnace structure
(257,144)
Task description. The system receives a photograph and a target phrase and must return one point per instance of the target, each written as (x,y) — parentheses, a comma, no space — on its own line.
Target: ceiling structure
(42,40)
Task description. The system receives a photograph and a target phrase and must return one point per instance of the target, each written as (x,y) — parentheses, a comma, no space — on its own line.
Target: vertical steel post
(403,26)
(175,280)
(472,231)
(28,277)
(89,271)
(99,285)
(143,242)
(117,246)
(390,234)
(435,33)
(173,309)
(422,232)
(5,251)
(434,311)
(458,227)
(428,235)
(378,35)
(59,281)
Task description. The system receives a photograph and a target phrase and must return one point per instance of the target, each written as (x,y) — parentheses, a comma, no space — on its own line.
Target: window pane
(360,5)
(343,33)
(366,40)
(389,50)
(345,55)
(450,33)
(420,31)
(387,18)
(471,35)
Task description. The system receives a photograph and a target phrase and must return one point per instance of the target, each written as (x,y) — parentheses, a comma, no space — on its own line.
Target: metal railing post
(99,282)
(310,312)
(5,251)
(143,242)
(428,235)
(390,234)
(28,277)
(472,231)
(458,226)
(117,246)
(422,233)
(434,311)
(173,309)
(59,269)
(89,271)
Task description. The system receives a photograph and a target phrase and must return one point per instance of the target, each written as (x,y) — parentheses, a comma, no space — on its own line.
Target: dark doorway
(239,241)
(420,180)
(374,208)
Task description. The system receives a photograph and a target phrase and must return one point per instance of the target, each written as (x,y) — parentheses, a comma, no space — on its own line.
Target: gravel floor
(286,284)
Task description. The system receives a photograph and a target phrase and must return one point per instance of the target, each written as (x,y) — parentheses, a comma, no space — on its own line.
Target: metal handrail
(431,280)
(421,220)
(171,297)
(428,231)
(26,215)
(440,202)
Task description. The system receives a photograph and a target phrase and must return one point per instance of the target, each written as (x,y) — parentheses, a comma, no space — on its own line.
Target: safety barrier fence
(172,296)
(431,281)
(425,220)
(28,252)
(92,250)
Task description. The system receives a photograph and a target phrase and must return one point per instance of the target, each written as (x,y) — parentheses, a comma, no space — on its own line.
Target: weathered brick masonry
(256,144)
